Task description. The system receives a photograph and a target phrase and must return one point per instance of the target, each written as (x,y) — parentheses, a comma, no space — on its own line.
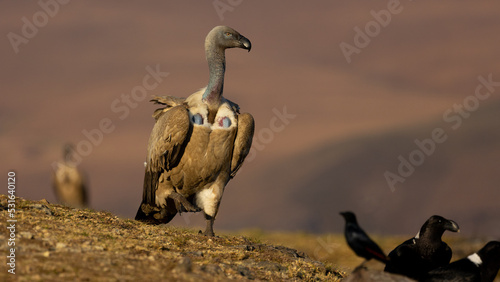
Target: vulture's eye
(228,33)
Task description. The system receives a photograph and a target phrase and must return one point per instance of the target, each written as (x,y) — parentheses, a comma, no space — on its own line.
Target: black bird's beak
(245,43)
(452,226)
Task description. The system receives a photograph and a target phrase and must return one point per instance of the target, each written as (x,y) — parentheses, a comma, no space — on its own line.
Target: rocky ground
(54,242)
(59,243)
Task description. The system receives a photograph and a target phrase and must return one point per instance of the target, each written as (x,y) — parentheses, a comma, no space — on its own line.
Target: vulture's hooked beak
(245,43)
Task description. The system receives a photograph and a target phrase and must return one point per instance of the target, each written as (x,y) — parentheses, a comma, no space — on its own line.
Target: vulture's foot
(182,204)
(208,233)
(209,230)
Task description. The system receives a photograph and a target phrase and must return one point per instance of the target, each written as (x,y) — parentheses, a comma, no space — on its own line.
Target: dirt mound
(55,242)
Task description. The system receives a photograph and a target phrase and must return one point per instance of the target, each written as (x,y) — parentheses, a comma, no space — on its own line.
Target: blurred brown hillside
(351,121)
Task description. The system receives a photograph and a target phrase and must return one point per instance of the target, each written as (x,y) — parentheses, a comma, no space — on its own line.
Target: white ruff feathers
(474,258)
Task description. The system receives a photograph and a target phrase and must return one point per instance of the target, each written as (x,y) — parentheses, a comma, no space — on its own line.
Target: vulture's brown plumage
(197,144)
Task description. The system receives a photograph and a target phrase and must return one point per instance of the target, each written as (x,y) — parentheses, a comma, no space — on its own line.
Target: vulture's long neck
(217,67)
(67,154)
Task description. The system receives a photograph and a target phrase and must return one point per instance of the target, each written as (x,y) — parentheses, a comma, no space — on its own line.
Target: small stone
(86,246)
(44,208)
(245,271)
(198,253)
(271,266)
(300,275)
(60,246)
(185,265)
(242,256)
(212,269)
(27,235)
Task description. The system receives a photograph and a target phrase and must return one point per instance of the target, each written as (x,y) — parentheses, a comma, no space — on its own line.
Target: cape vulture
(68,181)
(197,144)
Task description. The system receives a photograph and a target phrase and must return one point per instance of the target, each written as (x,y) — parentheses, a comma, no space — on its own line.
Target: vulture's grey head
(224,37)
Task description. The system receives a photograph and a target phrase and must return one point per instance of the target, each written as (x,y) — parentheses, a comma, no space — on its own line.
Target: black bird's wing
(441,257)
(363,245)
(461,270)
(490,260)
(404,259)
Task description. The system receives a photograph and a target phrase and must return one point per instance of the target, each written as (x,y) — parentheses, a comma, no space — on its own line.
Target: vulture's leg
(209,201)
(209,230)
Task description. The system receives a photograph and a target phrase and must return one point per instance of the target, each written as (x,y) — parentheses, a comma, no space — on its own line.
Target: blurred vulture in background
(69,183)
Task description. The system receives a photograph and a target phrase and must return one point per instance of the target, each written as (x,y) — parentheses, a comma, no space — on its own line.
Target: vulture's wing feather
(242,142)
(166,146)
(168,101)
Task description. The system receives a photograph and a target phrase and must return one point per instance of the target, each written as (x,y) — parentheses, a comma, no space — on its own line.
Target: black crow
(359,241)
(482,266)
(425,252)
